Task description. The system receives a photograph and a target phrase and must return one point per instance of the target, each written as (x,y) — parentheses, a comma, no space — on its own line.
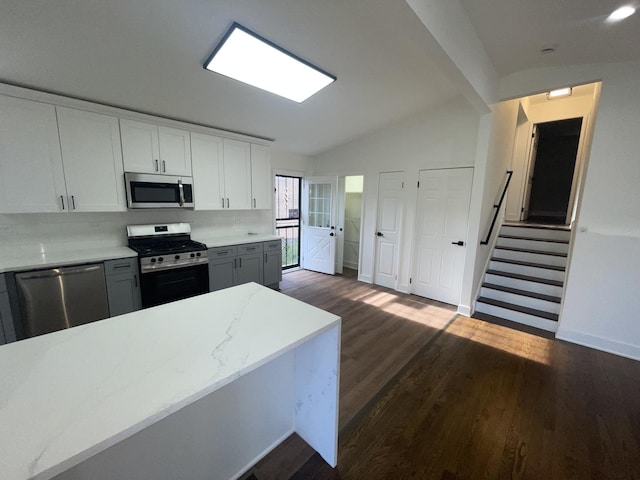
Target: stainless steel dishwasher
(59,298)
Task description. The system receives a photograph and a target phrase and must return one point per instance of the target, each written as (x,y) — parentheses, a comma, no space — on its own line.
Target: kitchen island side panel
(218,437)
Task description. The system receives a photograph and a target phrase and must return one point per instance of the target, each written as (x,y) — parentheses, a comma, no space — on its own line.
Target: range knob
(177,257)
(160,259)
(153,260)
(198,254)
(192,255)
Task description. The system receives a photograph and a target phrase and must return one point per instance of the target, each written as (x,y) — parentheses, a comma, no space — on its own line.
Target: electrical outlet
(236,220)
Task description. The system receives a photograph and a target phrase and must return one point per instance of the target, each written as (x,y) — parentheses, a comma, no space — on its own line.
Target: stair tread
(541,226)
(527,250)
(514,325)
(516,291)
(528,264)
(550,240)
(519,308)
(528,278)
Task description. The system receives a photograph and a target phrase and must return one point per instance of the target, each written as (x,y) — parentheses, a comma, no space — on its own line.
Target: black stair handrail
(497,207)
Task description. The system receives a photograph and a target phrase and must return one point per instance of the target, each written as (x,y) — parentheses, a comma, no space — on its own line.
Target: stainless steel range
(172,266)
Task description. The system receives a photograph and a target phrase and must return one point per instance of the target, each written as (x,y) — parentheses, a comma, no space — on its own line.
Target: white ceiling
(147,55)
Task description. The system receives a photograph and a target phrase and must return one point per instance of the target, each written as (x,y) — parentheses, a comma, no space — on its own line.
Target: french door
(318,218)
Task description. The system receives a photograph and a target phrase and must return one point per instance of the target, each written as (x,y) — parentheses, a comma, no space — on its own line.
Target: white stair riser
(534,245)
(519,317)
(522,300)
(532,257)
(536,232)
(529,271)
(526,285)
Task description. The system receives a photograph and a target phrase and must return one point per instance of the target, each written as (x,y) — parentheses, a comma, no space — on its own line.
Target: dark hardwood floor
(427,397)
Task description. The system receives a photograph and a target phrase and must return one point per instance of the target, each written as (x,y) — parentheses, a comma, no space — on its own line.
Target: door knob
(460,243)
(331,234)
(379,234)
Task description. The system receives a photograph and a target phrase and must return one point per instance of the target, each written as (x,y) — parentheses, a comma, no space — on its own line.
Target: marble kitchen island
(201,388)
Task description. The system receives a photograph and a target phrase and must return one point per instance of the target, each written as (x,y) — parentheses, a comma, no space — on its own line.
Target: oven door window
(148,192)
(169,285)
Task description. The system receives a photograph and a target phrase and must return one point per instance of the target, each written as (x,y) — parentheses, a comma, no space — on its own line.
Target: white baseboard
(404,288)
(364,278)
(599,343)
(352,265)
(464,310)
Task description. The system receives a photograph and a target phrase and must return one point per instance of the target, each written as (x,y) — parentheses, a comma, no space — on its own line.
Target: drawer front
(222,252)
(272,245)
(249,248)
(123,265)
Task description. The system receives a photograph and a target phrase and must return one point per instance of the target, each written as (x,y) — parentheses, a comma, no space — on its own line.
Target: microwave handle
(181,189)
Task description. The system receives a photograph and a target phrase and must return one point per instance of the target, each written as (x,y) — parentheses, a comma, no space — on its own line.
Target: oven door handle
(181,190)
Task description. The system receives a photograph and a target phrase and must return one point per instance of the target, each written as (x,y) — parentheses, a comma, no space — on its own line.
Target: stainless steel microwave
(146,190)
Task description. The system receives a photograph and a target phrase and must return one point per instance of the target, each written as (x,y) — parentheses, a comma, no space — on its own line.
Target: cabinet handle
(135,280)
(62,200)
(157,168)
(222,202)
(227,203)
(254,203)
(123,265)
(73,201)
(265,258)
(164,166)
(240,262)
(235,263)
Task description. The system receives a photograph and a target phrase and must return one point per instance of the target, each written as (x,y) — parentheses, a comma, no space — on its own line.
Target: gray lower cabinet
(7,333)
(223,263)
(123,286)
(250,267)
(272,263)
(235,265)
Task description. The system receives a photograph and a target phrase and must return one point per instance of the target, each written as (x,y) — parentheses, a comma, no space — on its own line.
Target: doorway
(287,204)
(318,224)
(547,197)
(349,220)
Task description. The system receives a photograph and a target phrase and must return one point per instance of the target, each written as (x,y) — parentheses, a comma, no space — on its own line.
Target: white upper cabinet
(148,148)
(237,174)
(261,183)
(175,151)
(92,159)
(31,173)
(208,172)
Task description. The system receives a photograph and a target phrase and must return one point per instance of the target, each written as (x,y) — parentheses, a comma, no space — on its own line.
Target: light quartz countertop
(68,395)
(213,242)
(33,258)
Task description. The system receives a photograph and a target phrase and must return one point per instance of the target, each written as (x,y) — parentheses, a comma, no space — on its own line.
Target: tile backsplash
(88,230)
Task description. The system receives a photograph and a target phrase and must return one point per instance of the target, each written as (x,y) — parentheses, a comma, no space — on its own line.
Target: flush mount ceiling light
(245,56)
(561,92)
(621,13)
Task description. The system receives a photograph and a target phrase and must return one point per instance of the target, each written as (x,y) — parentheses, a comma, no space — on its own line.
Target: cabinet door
(140,151)
(123,291)
(91,155)
(175,151)
(222,273)
(250,269)
(31,174)
(261,178)
(272,267)
(237,174)
(208,172)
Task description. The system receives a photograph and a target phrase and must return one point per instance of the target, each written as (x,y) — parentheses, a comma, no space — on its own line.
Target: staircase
(525,277)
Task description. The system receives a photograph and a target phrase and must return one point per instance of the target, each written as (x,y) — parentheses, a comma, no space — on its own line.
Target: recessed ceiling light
(245,56)
(560,92)
(621,13)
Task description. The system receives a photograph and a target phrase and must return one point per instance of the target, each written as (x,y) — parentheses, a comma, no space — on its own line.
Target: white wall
(282,161)
(495,150)
(601,305)
(441,137)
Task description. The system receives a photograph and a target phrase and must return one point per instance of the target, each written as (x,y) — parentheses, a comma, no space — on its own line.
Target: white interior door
(442,214)
(389,223)
(318,230)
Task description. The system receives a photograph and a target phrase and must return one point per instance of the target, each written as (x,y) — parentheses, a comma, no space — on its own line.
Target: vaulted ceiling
(147,55)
